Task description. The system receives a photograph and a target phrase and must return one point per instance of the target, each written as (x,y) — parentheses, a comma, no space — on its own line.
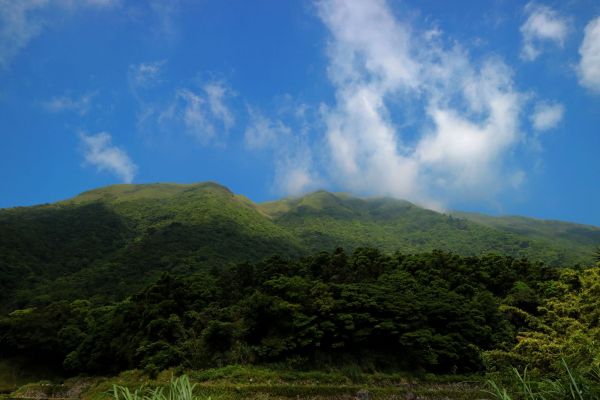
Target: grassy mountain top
(151,191)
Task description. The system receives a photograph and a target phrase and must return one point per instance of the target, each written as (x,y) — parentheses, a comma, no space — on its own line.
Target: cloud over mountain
(471,109)
(99,152)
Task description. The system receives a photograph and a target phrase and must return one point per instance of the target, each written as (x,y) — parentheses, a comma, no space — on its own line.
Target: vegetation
(254,383)
(107,244)
(433,312)
(326,219)
(157,278)
(178,389)
(568,385)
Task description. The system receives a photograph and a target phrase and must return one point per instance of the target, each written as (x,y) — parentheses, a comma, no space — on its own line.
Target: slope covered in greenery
(110,242)
(432,312)
(579,238)
(327,219)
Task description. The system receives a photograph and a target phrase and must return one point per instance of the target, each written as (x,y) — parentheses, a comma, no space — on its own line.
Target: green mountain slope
(109,242)
(114,240)
(325,219)
(569,234)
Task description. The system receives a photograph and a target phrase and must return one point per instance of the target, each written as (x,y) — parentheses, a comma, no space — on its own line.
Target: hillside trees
(435,312)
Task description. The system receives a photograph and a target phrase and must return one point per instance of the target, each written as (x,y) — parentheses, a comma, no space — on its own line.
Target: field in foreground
(237,382)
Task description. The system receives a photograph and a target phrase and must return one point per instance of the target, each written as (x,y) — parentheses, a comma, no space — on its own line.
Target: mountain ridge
(118,238)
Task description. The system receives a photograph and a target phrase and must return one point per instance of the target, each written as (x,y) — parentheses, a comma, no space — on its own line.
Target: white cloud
(72,4)
(19,23)
(547,116)
(102,154)
(22,20)
(203,114)
(471,110)
(79,105)
(589,66)
(145,75)
(194,114)
(165,13)
(216,92)
(294,173)
(262,132)
(102,3)
(296,178)
(543,25)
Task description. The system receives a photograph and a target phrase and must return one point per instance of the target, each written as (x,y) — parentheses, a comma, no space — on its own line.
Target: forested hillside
(327,219)
(435,312)
(108,243)
(163,276)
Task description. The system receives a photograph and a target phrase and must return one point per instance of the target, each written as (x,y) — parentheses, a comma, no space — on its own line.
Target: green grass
(252,382)
(571,385)
(179,388)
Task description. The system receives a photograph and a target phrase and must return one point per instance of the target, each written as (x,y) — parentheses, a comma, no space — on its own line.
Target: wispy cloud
(216,95)
(262,132)
(145,75)
(203,114)
(289,148)
(547,116)
(86,3)
(106,157)
(543,25)
(79,105)
(166,13)
(19,24)
(191,108)
(22,20)
(589,65)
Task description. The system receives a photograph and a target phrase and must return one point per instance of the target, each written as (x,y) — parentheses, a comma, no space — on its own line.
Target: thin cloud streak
(201,113)
(289,148)
(100,153)
(81,105)
(21,21)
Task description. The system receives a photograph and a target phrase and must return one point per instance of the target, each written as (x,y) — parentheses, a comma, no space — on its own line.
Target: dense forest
(165,277)
(436,311)
(109,243)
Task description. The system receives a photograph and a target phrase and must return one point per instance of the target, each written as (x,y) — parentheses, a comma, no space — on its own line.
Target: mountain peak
(130,192)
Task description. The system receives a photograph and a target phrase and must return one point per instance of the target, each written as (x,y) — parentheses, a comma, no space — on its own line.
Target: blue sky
(490,106)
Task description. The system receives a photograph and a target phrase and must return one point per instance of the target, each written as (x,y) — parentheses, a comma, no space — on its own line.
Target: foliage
(568,385)
(107,244)
(565,324)
(178,389)
(275,382)
(436,312)
(327,219)
(162,276)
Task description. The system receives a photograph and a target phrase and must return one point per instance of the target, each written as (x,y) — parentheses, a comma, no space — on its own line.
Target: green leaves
(433,312)
(178,389)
